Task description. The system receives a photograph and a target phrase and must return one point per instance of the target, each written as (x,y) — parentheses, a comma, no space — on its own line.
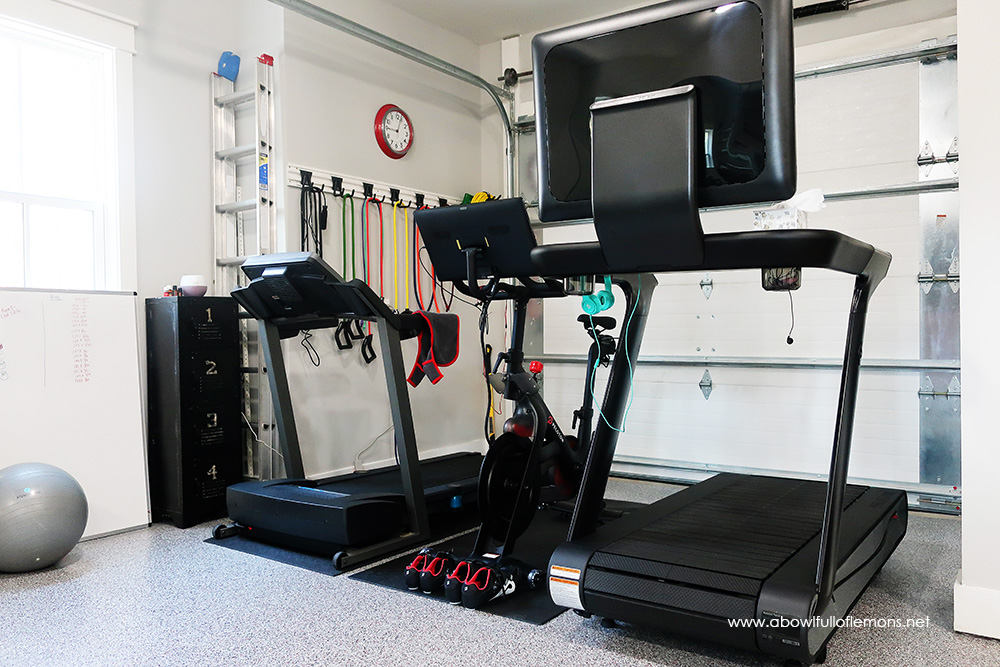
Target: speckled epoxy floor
(161,596)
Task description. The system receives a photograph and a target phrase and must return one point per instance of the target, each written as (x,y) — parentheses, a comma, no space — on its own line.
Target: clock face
(393,131)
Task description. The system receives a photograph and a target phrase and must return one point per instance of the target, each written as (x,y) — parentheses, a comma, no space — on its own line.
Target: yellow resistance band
(406,253)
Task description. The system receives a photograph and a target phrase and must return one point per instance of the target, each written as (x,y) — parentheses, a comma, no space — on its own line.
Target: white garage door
(771,405)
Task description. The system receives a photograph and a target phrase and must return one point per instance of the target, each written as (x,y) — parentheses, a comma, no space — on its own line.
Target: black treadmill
(361,516)
(641,118)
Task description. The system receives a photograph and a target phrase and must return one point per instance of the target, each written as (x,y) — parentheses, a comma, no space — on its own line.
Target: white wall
(177,47)
(329,87)
(977,592)
(332,85)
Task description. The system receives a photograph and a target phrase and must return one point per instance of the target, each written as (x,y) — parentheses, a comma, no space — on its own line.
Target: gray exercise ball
(43,512)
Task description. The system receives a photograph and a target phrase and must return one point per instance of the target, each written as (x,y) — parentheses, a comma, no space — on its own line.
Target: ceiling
(487,21)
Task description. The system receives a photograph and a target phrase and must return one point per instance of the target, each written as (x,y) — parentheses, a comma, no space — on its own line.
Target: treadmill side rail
(565,575)
(875,523)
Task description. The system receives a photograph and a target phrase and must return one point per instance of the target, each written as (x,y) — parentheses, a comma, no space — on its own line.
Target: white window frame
(116,237)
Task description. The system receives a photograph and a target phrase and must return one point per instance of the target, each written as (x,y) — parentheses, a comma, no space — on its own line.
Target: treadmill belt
(746,529)
(438,476)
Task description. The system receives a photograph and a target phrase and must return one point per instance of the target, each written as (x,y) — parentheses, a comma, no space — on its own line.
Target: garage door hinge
(706,384)
(926,278)
(927,159)
(706,286)
(927,388)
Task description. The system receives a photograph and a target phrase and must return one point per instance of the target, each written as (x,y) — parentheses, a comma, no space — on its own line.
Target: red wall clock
(393,131)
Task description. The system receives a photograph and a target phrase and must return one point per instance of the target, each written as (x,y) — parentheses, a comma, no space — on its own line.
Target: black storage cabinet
(193,371)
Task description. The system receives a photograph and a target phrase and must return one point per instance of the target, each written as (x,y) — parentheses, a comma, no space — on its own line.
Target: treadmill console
(298,290)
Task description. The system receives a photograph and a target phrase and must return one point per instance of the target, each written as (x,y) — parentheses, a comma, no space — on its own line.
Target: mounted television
(736,55)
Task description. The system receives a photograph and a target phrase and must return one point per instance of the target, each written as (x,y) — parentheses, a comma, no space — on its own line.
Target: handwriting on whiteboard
(3,366)
(80,334)
(8,311)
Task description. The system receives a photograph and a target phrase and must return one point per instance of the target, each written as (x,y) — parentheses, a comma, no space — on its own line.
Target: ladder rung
(236,152)
(235,97)
(230,261)
(236,206)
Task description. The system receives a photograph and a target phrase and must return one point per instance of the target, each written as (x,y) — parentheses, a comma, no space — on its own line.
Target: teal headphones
(601,301)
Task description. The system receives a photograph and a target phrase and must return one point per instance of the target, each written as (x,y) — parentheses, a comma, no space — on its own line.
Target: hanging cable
(313,216)
(307,344)
(418,266)
(631,370)
(506,308)
(429,272)
(447,302)
(484,328)
(791,308)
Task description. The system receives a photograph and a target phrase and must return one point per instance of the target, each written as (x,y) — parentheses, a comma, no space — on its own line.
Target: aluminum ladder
(246,226)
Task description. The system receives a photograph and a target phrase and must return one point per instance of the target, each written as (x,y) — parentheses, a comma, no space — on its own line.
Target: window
(60,199)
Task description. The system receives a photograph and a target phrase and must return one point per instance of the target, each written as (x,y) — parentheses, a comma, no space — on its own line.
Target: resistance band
(406,253)
(381,250)
(367,347)
(366,248)
(395,260)
(364,241)
(343,223)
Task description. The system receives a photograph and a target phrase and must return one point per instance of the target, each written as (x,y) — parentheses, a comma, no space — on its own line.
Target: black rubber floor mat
(441,526)
(547,531)
(315,563)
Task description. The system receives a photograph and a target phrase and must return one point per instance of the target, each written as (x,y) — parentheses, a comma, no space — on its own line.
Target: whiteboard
(71,396)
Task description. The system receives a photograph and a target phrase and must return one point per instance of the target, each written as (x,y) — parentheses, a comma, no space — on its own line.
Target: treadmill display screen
(719,49)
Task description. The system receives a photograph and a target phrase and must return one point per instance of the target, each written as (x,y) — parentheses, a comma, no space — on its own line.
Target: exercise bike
(532,464)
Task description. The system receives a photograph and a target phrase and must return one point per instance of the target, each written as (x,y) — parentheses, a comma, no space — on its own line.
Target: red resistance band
(366,224)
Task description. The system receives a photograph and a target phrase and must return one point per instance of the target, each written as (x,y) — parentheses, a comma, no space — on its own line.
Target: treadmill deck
(731,539)
(440,476)
(328,515)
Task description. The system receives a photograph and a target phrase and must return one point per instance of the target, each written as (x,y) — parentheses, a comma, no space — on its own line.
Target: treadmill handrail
(817,248)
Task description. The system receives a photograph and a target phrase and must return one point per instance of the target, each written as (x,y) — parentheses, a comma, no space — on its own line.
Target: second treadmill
(357,517)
